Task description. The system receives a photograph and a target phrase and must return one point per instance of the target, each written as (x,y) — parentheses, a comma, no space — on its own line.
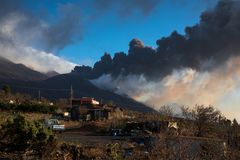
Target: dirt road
(86,140)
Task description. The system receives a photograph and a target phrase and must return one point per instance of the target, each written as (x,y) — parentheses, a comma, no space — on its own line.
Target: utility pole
(71,96)
(39,95)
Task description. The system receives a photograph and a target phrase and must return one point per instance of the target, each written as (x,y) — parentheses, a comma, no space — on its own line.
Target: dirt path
(84,138)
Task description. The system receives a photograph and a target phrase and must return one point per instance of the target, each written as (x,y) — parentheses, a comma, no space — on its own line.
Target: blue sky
(107,31)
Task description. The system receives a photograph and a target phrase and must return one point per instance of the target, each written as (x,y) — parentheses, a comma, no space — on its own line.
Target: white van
(54,125)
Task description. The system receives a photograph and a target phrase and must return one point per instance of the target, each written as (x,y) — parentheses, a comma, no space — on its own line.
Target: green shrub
(17,134)
(42,108)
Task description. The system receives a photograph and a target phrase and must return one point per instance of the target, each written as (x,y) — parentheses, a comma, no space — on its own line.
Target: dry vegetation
(202,133)
(30,116)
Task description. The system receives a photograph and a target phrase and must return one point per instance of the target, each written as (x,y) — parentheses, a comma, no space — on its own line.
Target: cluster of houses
(87,108)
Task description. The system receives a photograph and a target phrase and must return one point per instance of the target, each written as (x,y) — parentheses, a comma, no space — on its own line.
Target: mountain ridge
(10,70)
(58,86)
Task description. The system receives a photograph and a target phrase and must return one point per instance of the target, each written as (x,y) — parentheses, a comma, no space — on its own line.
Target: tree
(186,112)
(166,111)
(17,134)
(6,89)
(234,134)
(205,119)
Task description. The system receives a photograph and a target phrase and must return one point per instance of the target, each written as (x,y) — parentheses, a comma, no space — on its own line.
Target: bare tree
(205,119)
(166,111)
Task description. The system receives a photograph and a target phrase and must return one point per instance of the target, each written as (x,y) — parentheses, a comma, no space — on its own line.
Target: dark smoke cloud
(53,36)
(8,6)
(126,7)
(204,46)
(67,27)
(67,30)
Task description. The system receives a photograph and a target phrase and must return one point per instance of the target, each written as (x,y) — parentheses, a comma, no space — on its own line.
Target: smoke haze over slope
(219,87)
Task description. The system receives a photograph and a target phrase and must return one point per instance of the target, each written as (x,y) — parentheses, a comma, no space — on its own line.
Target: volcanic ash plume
(219,87)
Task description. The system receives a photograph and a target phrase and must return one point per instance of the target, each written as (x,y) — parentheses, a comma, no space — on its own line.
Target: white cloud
(17,45)
(35,59)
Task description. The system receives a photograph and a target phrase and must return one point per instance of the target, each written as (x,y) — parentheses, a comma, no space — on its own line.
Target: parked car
(54,125)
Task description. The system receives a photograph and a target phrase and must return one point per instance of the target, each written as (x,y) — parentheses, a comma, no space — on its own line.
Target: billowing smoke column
(204,46)
(200,67)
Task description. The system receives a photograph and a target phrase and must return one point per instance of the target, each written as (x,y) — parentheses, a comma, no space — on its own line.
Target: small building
(87,108)
(113,112)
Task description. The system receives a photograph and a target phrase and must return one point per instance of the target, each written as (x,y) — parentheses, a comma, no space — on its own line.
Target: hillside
(10,70)
(25,80)
(59,87)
